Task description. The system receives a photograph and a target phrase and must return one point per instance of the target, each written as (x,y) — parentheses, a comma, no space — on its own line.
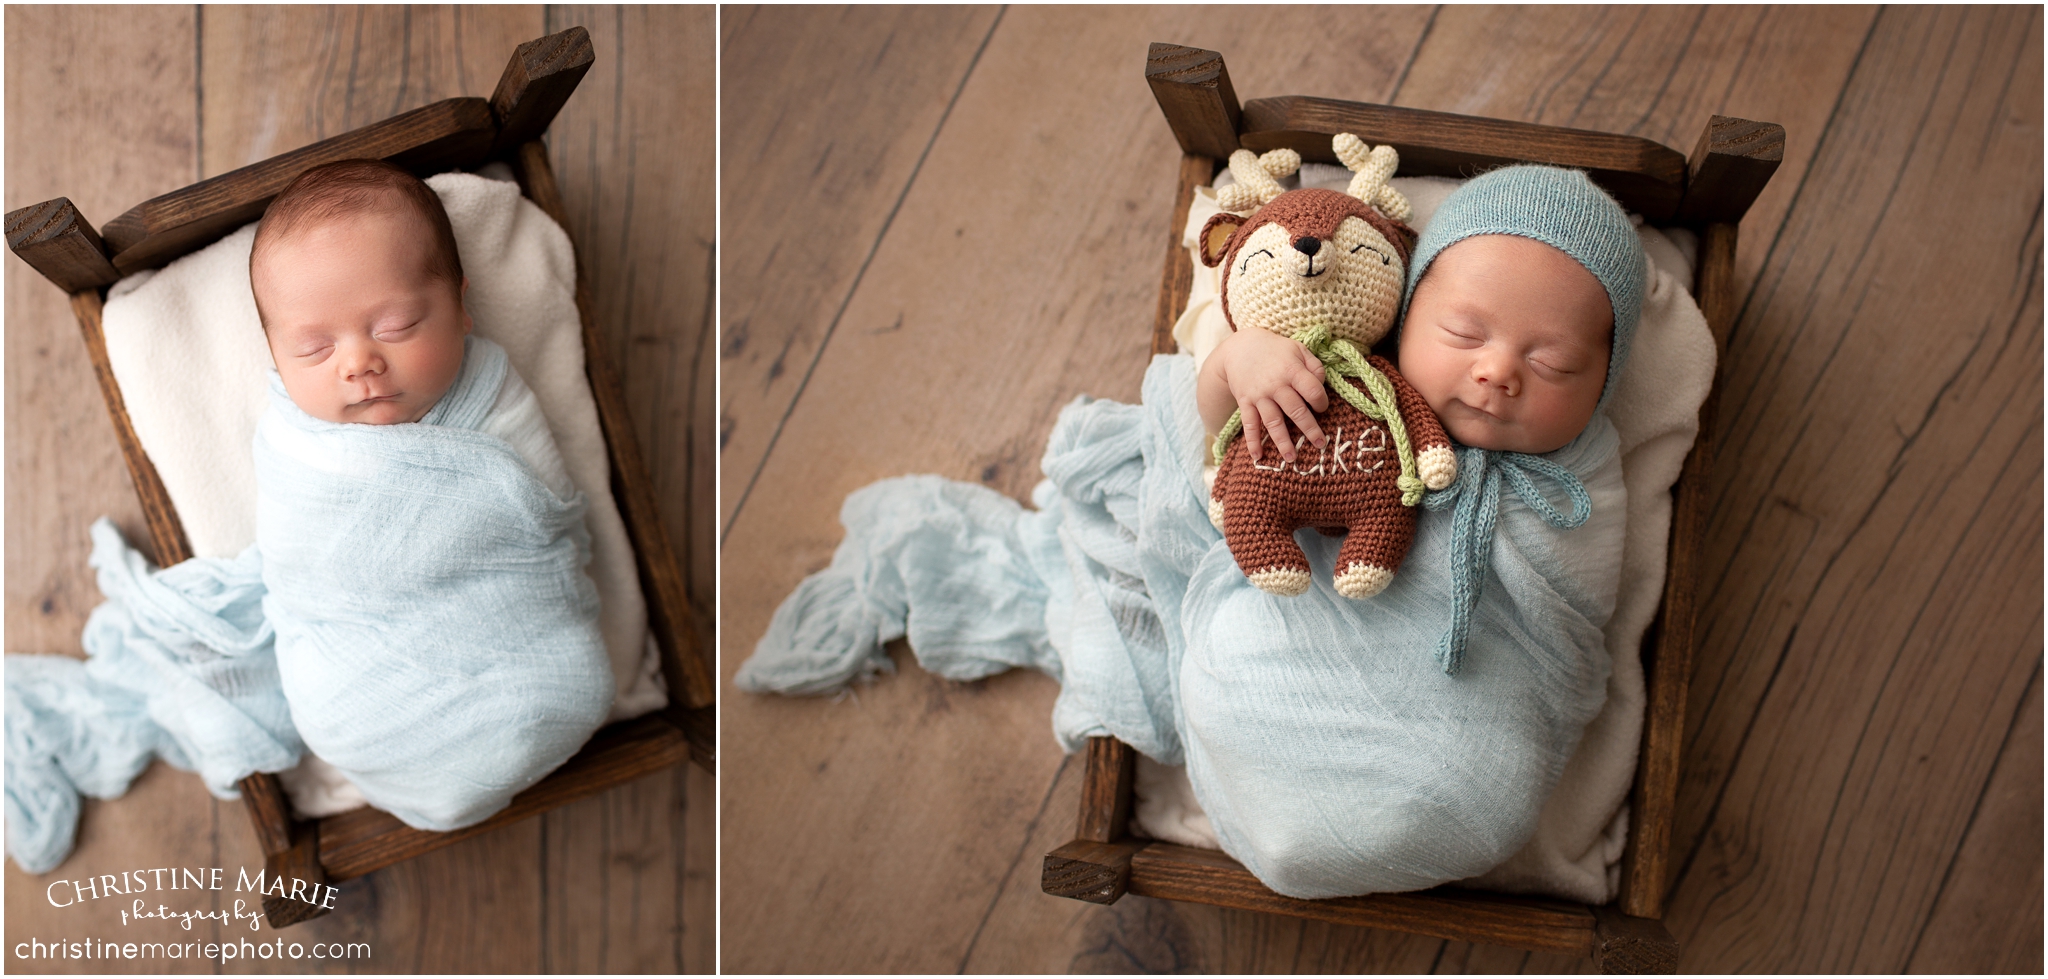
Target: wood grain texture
(1657,72)
(1645,176)
(59,243)
(274,78)
(810,191)
(1670,646)
(64,465)
(449,134)
(1180,873)
(540,77)
(167,541)
(1872,612)
(1987,914)
(1729,166)
(1179,278)
(1193,89)
(633,155)
(1105,810)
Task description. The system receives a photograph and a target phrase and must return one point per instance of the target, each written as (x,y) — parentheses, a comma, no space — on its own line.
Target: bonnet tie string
(1341,359)
(1477,497)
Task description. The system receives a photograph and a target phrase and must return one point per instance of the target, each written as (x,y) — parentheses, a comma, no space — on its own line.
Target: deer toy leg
(1371,553)
(1263,543)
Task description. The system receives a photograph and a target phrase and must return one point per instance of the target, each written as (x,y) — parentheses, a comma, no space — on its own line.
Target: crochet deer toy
(1325,269)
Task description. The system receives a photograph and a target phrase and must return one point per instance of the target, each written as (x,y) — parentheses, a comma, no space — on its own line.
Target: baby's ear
(1215,238)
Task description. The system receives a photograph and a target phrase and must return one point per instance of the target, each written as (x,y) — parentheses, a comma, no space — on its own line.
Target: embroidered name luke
(1330,460)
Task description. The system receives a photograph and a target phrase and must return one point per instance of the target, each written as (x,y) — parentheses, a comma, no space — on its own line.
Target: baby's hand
(1270,379)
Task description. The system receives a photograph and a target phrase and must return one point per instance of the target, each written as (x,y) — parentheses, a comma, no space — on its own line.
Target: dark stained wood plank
(1645,176)
(812,183)
(1193,89)
(1987,916)
(451,133)
(540,77)
(1105,813)
(1180,873)
(651,277)
(1874,562)
(168,544)
(1179,278)
(1728,168)
(1061,297)
(55,240)
(1670,648)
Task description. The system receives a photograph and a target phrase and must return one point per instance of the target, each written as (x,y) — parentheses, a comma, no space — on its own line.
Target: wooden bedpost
(291,851)
(1096,866)
(1193,89)
(54,239)
(1730,165)
(538,80)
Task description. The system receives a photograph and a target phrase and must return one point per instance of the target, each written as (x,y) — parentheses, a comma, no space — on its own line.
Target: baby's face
(1507,339)
(359,330)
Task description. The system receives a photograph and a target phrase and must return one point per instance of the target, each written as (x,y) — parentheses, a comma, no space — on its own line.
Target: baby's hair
(345,187)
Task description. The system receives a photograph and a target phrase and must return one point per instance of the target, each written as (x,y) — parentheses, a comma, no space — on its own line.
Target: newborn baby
(359,286)
(1395,744)
(415,609)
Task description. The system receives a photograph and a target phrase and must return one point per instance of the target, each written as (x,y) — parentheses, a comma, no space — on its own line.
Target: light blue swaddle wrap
(1330,751)
(415,608)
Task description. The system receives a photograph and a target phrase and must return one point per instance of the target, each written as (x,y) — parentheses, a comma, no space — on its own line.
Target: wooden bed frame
(459,133)
(1709,193)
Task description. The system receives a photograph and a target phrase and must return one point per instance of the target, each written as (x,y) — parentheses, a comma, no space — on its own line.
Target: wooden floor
(111,106)
(942,224)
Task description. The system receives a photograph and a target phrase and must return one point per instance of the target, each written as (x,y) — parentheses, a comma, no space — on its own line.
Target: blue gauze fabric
(414,610)
(1332,755)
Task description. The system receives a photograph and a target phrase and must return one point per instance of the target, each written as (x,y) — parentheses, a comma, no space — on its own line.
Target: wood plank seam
(874,247)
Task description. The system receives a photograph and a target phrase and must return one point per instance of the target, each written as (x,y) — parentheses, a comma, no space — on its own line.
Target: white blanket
(188,350)
(1576,851)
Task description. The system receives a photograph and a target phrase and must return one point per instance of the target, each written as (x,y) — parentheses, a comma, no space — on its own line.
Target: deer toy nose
(1308,244)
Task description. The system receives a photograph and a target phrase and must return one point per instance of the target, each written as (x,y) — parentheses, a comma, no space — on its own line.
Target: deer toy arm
(1434,460)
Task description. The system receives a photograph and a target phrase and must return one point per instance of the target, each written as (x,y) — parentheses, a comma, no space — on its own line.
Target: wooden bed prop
(460,133)
(1708,192)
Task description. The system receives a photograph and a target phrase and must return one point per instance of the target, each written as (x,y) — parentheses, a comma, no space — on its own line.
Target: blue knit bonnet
(1563,209)
(1560,208)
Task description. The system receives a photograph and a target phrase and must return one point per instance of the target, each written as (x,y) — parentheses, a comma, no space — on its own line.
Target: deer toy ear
(1215,239)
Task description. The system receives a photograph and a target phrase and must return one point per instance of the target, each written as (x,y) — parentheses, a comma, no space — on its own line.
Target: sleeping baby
(1343,747)
(1338,746)
(469,516)
(415,609)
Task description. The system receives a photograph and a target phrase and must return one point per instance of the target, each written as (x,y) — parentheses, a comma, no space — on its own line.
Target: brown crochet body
(1350,485)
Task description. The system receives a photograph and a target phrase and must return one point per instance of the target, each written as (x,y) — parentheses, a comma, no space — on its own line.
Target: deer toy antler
(1258,179)
(1371,168)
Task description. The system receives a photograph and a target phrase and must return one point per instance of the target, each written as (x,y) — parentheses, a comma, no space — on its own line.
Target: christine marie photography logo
(179,894)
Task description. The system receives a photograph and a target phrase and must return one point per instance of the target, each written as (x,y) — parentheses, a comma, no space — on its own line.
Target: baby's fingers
(1304,416)
(1274,421)
(1310,387)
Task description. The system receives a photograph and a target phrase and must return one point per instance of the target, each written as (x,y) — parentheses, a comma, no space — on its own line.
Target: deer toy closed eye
(1326,269)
